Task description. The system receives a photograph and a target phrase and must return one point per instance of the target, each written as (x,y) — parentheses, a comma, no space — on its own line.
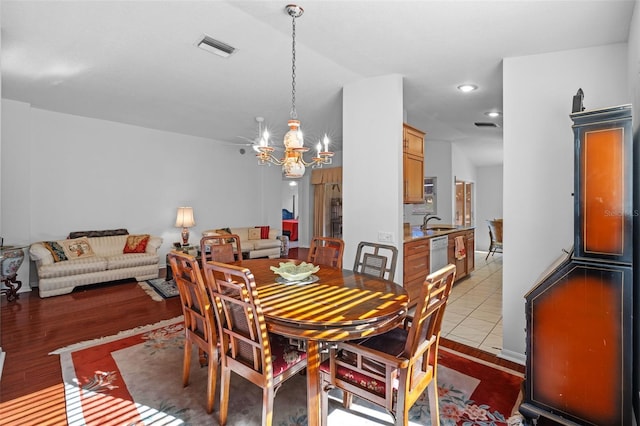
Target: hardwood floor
(30,387)
(33,327)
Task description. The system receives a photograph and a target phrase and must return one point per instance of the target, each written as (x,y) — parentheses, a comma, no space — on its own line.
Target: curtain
(319,178)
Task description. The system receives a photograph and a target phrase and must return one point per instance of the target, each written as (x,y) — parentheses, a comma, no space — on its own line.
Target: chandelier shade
(293,163)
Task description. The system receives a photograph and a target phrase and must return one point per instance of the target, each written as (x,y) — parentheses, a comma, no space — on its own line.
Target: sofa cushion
(102,233)
(243,233)
(225,231)
(73,267)
(136,244)
(264,232)
(265,244)
(77,248)
(254,233)
(56,250)
(130,260)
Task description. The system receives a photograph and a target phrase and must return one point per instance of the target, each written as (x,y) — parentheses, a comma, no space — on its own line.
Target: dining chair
(265,359)
(199,324)
(393,369)
(378,260)
(220,248)
(495,236)
(326,251)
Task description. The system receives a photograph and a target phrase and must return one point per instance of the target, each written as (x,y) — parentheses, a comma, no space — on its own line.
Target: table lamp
(185,220)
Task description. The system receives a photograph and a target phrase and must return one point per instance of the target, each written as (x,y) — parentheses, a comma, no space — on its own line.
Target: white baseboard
(516,357)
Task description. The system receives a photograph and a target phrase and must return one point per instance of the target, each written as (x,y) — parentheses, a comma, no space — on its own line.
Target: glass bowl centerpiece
(292,272)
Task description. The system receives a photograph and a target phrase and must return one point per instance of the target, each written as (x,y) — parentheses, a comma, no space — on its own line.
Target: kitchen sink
(442,228)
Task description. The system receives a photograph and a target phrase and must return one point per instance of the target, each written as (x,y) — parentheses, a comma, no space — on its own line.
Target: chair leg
(212,376)
(434,406)
(324,403)
(186,364)
(225,377)
(347,399)
(268,395)
(489,252)
(401,414)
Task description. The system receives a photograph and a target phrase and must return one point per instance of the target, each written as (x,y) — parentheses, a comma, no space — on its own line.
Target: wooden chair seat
(393,369)
(377,260)
(199,323)
(247,348)
(220,248)
(326,251)
(495,236)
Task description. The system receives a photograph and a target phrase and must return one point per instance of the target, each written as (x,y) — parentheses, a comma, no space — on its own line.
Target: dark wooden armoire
(582,342)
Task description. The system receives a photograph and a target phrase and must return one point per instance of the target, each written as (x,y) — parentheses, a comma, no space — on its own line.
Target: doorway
(334,203)
(464,204)
(290,211)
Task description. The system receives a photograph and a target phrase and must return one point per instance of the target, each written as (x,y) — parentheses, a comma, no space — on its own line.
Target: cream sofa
(107,263)
(272,247)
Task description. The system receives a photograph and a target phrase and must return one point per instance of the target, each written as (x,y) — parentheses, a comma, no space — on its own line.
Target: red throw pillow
(136,244)
(264,232)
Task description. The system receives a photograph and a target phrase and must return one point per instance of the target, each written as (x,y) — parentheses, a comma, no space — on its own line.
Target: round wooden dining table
(340,305)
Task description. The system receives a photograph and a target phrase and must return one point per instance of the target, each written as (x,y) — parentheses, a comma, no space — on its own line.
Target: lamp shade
(184,219)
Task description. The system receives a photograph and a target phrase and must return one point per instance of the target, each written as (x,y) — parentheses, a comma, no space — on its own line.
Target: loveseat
(252,243)
(94,257)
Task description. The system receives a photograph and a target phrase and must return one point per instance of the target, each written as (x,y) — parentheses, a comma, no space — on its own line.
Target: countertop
(415,233)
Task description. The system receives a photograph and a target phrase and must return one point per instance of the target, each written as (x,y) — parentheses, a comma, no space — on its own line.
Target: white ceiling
(136,61)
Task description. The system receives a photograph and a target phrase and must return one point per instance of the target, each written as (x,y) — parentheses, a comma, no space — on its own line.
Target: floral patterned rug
(135,378)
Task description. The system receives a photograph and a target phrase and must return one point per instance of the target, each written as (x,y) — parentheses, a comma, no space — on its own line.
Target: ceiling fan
(261,138)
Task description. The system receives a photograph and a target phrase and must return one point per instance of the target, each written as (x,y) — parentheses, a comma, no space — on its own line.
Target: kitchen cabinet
(417,259)
(465,265)
(416,267)
(470,245)
(413,164)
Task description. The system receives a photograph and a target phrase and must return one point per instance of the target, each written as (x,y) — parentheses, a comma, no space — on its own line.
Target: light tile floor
(474,313)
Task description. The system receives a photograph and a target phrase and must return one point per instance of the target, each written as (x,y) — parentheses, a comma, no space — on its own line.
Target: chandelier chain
(293,163)
(293,113)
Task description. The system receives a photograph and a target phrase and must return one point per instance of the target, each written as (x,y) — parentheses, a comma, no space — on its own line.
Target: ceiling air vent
(485,124)
(212,45)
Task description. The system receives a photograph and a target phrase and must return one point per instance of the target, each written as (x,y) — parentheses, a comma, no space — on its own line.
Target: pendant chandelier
(293,163)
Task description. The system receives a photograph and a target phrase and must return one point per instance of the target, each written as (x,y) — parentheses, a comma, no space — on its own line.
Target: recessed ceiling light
(493,114)
(467,88)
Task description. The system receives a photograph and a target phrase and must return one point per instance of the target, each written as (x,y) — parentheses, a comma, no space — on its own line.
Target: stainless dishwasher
(438,248)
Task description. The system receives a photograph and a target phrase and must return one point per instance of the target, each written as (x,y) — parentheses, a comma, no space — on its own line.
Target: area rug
(135,378)
(159,289)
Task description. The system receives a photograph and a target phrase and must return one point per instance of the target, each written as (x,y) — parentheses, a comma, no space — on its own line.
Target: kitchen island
(423,251)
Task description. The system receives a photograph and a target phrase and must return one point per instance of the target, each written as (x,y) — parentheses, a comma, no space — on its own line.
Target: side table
(184,249)
(11,258)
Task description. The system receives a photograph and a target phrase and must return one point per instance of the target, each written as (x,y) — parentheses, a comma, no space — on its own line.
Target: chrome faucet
(426,220)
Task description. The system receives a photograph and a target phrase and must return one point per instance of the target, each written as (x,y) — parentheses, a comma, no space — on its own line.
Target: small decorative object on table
(291,272)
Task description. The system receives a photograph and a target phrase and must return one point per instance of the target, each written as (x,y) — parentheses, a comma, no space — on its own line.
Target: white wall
(538,163)
(94,174)
(15,175)
(372,154)
(488,202)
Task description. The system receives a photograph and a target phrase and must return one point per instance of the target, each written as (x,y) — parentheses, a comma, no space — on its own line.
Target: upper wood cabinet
(413,164)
